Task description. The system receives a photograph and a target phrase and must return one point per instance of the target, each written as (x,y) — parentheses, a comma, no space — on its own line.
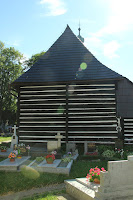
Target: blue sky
(32,26)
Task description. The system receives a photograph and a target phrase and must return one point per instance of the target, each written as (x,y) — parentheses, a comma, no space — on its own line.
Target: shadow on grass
(17,181)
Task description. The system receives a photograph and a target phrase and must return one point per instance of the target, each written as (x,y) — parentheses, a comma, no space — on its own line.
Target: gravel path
(28,193)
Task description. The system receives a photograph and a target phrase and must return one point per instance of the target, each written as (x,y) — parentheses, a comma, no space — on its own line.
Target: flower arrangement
(50,158)
(18,153)
(94,173)
(12,155)
(3,148)
(54,152)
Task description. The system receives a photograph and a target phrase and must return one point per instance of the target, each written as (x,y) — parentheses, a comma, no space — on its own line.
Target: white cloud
(98,46)
(120,19)
(15,43)
(56,7)
(110,49)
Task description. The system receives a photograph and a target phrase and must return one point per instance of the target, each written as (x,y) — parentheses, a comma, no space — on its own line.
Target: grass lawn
(17,181)
(46,196)
(3,139)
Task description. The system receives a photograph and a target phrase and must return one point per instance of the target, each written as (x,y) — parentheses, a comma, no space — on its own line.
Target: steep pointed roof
(62,63)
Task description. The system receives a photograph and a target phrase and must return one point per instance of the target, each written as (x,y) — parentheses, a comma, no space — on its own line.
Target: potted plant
(18,153)
(50,158)
(12,156)
(3,148)
(94,174)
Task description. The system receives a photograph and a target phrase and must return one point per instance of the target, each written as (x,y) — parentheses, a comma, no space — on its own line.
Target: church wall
(80,111)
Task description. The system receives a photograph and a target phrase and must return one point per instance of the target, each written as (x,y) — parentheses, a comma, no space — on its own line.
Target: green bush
(80,148)
(128,148)
(102,148)
(86,157)
(108,154)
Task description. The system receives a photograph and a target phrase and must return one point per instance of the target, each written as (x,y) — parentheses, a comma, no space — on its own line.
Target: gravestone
(70,147)
(14,140)
(117,182)
(58,137)
(52,145)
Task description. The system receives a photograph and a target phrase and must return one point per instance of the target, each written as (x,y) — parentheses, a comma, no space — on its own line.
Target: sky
(32,26)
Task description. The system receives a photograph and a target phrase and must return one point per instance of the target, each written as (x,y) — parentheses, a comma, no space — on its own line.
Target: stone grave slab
(88,184)
(6,165)
(5,154)
(52,168)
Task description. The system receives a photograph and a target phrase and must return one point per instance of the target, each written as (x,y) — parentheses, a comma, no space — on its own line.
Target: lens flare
(83,66)
(29,172)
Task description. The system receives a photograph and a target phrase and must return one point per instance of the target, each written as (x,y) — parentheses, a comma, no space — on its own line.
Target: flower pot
(19,156)
(49,162)
(12,159)
(3,150)
(97,181)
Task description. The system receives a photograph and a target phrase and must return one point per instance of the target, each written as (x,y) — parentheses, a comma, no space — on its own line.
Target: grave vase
(49,161)
(12,159)
(3,150)
(97,181)
(19,156)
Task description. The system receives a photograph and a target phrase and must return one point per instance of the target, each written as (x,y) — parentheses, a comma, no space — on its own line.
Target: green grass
(3,139)
(17,181)
(46,196)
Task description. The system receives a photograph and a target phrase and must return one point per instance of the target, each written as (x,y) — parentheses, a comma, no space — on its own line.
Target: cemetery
(73,126)
(110,158)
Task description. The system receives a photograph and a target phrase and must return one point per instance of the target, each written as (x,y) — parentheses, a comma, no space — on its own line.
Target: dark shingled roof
(62,63)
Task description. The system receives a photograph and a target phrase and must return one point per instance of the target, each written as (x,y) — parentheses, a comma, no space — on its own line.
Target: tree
(10,69)
(34,58)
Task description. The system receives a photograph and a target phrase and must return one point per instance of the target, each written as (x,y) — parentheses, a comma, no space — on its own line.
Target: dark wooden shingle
(62,63)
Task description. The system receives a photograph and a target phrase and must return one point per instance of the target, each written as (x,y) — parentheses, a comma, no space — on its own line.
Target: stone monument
(14,140)
(71,147)
(54,145)
(59,137)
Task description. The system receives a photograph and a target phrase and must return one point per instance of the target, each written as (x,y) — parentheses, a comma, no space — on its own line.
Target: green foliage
(10,69)
(128,148)
(46,196)
(3,147)
(80,148)
(39,159)
(66,159)
(86,157)
(108,154)
(30,62)
(102,148)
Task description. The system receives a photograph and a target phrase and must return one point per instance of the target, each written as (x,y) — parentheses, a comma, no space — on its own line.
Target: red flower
(50,156)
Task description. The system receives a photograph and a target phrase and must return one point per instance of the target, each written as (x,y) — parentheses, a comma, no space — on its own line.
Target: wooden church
(69,91)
